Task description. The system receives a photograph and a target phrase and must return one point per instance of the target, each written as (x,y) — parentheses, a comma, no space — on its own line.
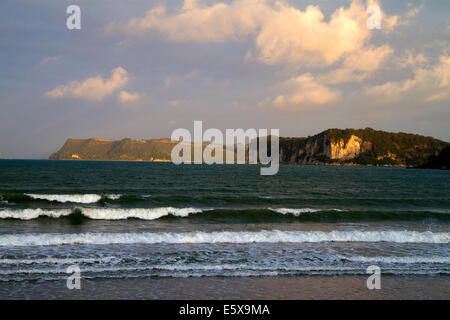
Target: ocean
(141,230)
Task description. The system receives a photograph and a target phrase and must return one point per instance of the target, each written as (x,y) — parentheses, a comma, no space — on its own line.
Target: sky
(141,69)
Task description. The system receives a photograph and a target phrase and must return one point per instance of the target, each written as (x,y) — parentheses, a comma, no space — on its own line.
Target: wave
(205,270)
(30,214)
(264,236)
(98,213)
(297,212)
(75,198)
(394,259)
(225,215)
(58,260)
(183,267)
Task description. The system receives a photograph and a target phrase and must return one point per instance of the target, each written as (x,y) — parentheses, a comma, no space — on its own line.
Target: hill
(125,150)
(441,161)
(360,147)
(331,147)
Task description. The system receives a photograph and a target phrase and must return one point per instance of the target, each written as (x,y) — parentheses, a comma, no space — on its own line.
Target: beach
(159,231)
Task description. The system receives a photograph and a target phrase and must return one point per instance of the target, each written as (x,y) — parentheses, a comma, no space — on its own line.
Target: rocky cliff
(331,147)
(126,150)
(360,147)
(441,161)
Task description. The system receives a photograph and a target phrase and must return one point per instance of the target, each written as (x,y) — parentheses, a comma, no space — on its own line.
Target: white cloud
(427,84)
(304,91)
(282,34)
(126,97)
(358,66)
(94,88)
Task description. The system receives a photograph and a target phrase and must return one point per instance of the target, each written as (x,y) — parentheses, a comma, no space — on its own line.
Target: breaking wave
(30,214)
(264,236)
(57,260)
(393,259)
(221,214)
(74,198)
(297,212)
(211,267)
(99,213)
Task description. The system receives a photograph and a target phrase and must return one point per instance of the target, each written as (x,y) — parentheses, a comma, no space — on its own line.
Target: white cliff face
(341,150)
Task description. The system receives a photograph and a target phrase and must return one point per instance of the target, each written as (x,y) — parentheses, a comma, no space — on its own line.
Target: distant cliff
(360,147)
(157,150)
(441,161)
(126,150)
(332,147)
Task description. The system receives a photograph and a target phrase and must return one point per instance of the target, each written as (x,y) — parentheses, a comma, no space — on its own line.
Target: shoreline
(260,288)
(281,163)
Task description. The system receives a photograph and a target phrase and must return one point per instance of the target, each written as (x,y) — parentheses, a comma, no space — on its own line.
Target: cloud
(358,66)
(427,84)
(94,88)
(304,91)
(48,60)
(410,14)
(309,90)
(126,97)
(411,60)
(281,34)
(170,81)
(196,23)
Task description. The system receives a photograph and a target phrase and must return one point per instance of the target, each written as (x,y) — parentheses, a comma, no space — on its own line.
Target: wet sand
(286,288)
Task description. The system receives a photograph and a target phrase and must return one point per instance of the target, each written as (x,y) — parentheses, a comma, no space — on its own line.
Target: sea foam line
(75,198)
(126,213)
(137,213)
(264,236)
(100,213)
(398,259)
(30,214)
(159,212)
(299,211)
(58,260)
(222,270)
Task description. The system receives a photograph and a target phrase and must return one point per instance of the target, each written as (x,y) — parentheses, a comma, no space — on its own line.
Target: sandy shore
(312,287)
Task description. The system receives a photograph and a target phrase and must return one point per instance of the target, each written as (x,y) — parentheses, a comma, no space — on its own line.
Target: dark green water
(132,220)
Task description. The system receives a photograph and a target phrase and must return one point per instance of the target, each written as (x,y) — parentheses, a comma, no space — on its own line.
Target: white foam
(264,236)
(299,211)
(29,214)
(183,267)
(113,196)
(193,270)
(76,198)
(144,214)
(395,259)
(57,260)
(99,213)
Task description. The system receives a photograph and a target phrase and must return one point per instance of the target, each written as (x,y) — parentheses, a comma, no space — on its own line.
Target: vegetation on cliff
(441,161)
(126,149)
(376,148)
(332,146)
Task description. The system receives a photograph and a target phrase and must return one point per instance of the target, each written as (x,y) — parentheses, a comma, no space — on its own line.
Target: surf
(263,236)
